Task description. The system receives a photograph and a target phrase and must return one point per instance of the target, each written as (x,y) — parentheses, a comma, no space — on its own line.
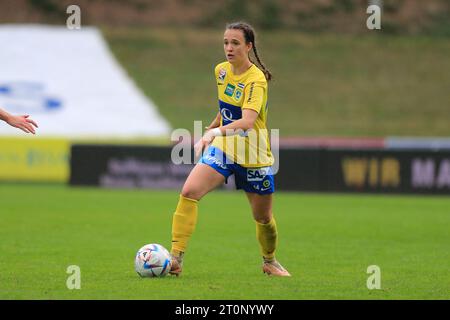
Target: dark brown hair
(249,36)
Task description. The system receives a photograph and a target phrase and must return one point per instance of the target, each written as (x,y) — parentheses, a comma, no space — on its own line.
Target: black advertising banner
(313,169)
(299,169)
(386,171)
(126,167)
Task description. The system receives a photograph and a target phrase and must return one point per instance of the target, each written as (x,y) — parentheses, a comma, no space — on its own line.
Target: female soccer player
(236,142)
(22,122)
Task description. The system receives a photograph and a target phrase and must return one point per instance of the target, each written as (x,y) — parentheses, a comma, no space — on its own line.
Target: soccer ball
(152,260)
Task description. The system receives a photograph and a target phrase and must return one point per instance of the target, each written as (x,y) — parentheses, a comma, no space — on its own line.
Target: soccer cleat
(274,268)
(177,265)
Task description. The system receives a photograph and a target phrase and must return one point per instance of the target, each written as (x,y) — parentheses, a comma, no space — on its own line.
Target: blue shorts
(255,180)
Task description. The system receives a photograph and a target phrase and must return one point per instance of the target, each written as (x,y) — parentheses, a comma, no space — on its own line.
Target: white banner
(71,85)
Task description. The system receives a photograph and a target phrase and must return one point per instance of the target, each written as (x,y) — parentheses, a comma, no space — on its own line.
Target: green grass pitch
(326,241)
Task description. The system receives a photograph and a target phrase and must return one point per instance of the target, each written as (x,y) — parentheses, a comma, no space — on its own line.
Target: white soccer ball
(152,260)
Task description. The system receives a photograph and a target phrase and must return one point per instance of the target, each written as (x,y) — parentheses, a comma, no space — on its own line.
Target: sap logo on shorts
(229,90)
(257,174)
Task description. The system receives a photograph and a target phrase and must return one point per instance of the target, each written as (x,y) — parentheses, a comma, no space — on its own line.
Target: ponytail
(266,71)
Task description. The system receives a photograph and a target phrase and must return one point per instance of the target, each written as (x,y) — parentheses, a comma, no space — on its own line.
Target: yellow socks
(267,237)
(183,224)
(185,220)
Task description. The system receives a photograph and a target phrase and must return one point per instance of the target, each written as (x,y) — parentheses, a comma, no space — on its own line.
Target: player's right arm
(215,123)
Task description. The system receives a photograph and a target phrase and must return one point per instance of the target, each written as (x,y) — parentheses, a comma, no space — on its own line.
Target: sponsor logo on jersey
(258,174)
(238,95)
(222,74)
(229,90)
(241,85)
(250,95)
(227,114)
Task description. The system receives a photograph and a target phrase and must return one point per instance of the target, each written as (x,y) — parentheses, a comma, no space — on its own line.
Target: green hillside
(325,84)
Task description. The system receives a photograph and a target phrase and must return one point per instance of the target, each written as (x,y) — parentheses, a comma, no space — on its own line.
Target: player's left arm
(247,122)
(254,96)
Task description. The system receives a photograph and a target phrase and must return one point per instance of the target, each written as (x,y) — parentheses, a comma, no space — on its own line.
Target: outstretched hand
(23,122)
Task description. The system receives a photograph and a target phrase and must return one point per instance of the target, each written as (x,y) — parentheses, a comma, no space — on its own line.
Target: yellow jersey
(244,91)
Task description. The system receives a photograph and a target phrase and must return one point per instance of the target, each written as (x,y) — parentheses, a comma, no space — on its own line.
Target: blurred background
(336,83)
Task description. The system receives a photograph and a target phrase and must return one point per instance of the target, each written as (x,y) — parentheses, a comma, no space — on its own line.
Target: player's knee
(191,193)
